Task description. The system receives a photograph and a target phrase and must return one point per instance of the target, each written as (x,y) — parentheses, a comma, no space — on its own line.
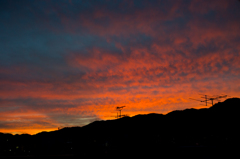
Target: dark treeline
(191,133)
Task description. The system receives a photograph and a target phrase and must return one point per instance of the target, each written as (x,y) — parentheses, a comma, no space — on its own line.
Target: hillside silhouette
(190,133)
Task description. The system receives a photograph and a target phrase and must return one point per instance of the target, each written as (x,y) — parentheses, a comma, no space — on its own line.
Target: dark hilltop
(192,133)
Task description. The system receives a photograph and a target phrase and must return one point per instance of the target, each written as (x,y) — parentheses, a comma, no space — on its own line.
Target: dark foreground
(191,133)
(184,152)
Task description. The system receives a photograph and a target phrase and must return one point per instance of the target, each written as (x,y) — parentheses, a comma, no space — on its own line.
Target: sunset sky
(67,63)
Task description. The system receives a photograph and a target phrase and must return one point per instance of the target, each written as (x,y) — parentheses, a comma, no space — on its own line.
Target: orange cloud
(149,57)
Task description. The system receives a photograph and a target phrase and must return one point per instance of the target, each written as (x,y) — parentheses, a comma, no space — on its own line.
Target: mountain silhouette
(190,133)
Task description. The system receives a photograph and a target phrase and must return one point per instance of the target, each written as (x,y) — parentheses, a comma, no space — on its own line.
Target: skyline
(68,63)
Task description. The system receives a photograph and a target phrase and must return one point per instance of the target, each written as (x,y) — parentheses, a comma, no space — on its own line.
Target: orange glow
(31,131)
(150,58)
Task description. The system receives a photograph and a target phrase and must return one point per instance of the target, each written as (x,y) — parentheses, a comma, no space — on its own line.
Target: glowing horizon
(69,63)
